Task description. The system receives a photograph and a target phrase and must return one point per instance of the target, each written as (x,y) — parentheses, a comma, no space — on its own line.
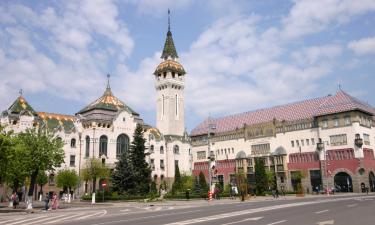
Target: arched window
(87,152)
(122,144)
(152,148)
(103,142)
(73,143)
(176,149)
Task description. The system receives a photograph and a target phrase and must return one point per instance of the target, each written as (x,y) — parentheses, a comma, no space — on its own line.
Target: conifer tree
(137,156)
(260,176)
(177,184)
(123,179)
(203,184)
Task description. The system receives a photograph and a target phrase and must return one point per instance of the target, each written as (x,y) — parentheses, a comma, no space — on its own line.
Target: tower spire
(169,50)
(108,86)
(169,20)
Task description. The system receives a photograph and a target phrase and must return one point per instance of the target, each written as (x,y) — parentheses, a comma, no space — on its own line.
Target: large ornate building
(330,140)
(104,129)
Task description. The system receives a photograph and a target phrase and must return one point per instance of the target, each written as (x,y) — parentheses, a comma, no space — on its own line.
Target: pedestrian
(273,193)
(15,200)
(277,193)
(46,202)
(55,203)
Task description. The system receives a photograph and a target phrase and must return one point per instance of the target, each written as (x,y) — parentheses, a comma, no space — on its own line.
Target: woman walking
(55,203)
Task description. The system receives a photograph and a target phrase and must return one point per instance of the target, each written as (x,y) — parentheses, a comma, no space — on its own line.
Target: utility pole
(210,156)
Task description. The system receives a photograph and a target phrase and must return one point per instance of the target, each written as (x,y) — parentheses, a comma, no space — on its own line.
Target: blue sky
(239,55)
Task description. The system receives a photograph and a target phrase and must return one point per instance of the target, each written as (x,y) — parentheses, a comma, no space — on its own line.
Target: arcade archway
(343,182)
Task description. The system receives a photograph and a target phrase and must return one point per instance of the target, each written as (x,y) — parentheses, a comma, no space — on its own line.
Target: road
(340,210)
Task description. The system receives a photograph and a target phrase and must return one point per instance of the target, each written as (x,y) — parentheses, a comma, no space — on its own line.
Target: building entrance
(343,182)
(372,181)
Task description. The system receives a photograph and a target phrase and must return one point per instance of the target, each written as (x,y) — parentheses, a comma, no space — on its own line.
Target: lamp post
(79,163)
(320,147)
(211,156)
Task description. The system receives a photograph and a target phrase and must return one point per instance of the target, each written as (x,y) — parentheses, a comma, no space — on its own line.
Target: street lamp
(79,162)
(211,155)
(320,147)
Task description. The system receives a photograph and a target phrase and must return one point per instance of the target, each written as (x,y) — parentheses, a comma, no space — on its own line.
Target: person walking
(55,203)
(15,200)
(46,202)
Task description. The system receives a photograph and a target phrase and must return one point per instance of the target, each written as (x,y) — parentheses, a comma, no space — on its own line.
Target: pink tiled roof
(340,102)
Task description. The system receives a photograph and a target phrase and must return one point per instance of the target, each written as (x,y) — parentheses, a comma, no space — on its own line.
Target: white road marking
(352,205)
(125,210)
(158,208)
(328,222)
(248,219)
(323,211)
(170,207)
(22,221)
(101,213)
(64,218)
(277,222)
(146,217)
(51,217)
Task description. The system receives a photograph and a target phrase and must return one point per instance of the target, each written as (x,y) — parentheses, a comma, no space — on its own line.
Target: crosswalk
(51,217)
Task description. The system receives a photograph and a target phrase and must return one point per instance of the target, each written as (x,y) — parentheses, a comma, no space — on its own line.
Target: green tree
(43,152)
(187,182)
(203,184)
(177,184)
(241,184)
(153,189)
(260,176)
(67,180)
(85,176)
(137,156)
(196,187)
(271,179)
(41,180)
(123,179)
(96,170)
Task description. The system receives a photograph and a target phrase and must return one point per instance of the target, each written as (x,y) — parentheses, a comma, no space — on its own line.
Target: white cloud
(307,17)
(363,46)
(313,54)
(61,50)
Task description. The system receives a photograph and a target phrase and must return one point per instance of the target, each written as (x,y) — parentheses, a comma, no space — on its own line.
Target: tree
(137,156)
(13,169)
(67,179)
(271,179)
(177,184)
(123,179)
(41,180)
(96,170)
(203,184)
(241,184)
(85,176)
(42,152)
(260,176)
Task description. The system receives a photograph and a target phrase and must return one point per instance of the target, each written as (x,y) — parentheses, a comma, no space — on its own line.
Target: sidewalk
(77,204)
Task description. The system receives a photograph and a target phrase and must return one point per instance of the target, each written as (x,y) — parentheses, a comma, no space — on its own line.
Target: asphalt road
(343,210)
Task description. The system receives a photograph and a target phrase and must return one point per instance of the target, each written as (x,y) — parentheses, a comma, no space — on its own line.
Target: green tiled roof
(108,102)
(20,105)
(169,48)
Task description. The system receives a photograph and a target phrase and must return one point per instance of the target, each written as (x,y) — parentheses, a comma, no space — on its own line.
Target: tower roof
(169,48)
(107,102)
(20,105)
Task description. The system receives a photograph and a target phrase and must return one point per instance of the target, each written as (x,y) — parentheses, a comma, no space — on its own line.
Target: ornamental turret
(170,83)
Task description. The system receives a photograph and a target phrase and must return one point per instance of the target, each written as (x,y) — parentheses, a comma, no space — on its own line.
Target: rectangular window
(307,142)
(336,122)
(366,139)
(312,141)
(337,140)
(260,149)
(302,142)
(72,160)
(162,164)
(152,164)
(297,143)
(347,120)
(324,123)
(292,142)
(201,155)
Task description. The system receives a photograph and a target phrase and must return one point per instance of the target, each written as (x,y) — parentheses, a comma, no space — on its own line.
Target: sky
(239,55)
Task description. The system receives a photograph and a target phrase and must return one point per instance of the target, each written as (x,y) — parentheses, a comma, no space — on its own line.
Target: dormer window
(173,74)
(347,120)
(325,123)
